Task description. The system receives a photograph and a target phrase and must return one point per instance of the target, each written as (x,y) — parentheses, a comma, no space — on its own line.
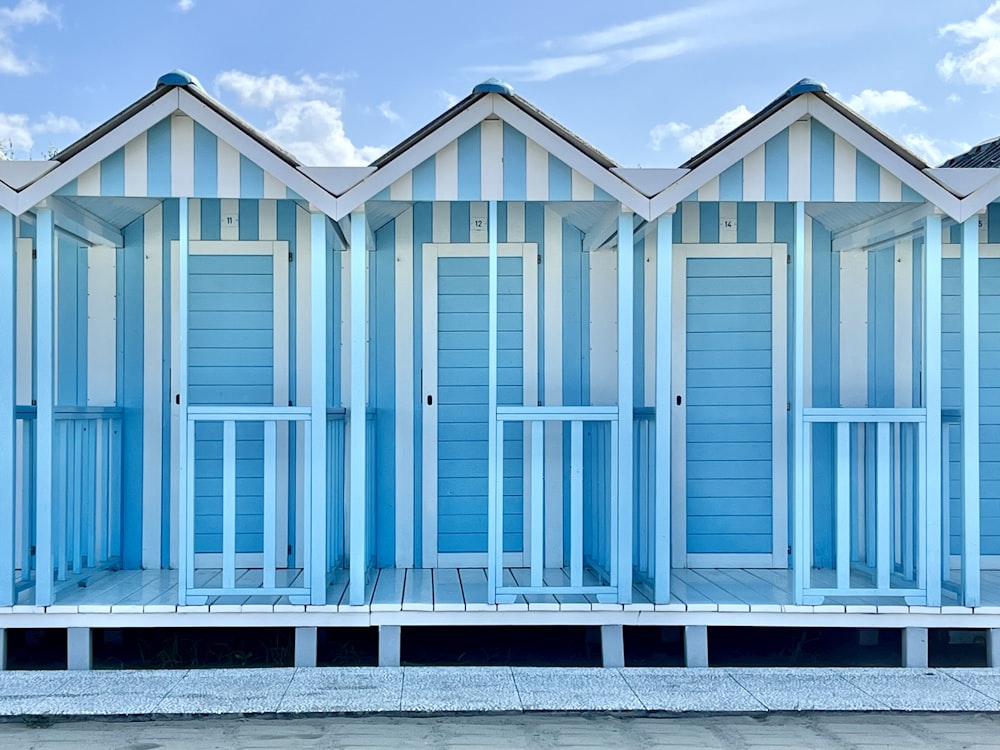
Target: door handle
(430,400)
(678,399)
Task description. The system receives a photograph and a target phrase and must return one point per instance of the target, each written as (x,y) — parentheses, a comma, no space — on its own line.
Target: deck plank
(761,590)
(418,590)
(448,595)
(388,596)
(474,589)
(716,594)
(559,577)
(339,580)
(522,577)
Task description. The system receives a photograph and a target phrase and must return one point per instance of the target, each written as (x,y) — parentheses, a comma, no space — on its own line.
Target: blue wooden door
(456,379)
(732,407)
(230,362)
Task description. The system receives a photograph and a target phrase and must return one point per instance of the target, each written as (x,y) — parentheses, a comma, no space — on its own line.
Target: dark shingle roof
(986,154)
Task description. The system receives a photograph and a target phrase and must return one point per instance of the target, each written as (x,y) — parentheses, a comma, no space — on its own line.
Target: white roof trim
(883,156)
(18,174)
(649,182)
(337,180)
(961,180)
(413,156)
(8,199)
(97,151)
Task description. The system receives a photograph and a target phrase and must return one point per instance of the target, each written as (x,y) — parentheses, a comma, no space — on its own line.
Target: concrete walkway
(492,689)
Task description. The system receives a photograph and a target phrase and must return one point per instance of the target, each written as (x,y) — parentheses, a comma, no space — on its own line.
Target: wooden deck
(449,590)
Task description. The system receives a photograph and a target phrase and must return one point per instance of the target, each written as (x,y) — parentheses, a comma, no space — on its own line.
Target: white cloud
(448,98)
(57,124)
(185,5)
(305,116)
(954,99)
(14,18)
(691,141)
(19,134)
(980,65)
(385,109)
(873,103)
(934,151)
(15,134)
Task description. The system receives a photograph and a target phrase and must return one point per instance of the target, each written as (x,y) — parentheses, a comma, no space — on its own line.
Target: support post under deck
(79,649)
(389,642)
(612,646)
(915,648)
(695,645)
(306,640)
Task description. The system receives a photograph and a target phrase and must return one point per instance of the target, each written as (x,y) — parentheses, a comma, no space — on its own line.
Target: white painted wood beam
(930,531)
(45,246)
(315,502)
(626,294)
(970,414)
(358,408)
(8,402)
(664,408)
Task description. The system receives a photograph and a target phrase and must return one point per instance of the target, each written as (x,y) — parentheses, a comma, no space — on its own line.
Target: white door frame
(278,249)
(778,557)
(528,251)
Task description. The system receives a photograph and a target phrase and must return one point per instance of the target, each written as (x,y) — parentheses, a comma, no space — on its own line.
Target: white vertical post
(842,516)
(186,433)
(270,503)
(494,543)
(663,400)
(883,505)
(229,504)
(626,294)
(315,501)
(45,300)
(537,502)
(931,524)
(358,411)
(970,412)
(800,493)
(8,403)
(576,504)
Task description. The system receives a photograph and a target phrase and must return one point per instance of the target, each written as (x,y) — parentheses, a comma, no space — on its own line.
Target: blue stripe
(251,179)
(249,228)
(206,162)
(731,183)
(560,180)
(708,222)
(602,195)
(382,195)
(130,383)
(423,180)
(881,370)
(825,386)
(515,164)
(821,162)
(113,173)
(423,232)
(678,225)
(866,179)
(909,195)
(501,221)
(993,223)
(470,167)
(68,189)
(382,313)
(639,322)
(776,168)
(211,219)
(287,229)
(158,159)
(71,295)
(460,217)
(746,222)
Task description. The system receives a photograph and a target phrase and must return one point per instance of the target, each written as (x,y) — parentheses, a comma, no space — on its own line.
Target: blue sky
(648,83)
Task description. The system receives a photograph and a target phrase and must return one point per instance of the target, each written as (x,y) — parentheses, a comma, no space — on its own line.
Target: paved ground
(497,689)
(830,730)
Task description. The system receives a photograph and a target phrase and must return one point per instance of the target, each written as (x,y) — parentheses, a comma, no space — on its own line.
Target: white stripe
(799,161)
(491,160)
(194,220)
(765,222)
(181,155)
(710,190)
(582,188)
(552,393)
(405,317)
(402,189)
(268,220)
(844,170)
(753,175)
(135,166)
(152,387)
(807,315)
(102,318)
(890,189)
(515,221)
(603,280)
(303,364)
(89,183)
(537,172)
(727,221)
(853,328)
(533,525)
(229,209)
(228,170)
(446,173)
(273,187)
(690,222)
(441,230)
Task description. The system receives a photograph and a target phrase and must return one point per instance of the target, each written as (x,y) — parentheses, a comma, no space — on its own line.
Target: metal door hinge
(291,259)
(539,257)
(788,259)
(34,254)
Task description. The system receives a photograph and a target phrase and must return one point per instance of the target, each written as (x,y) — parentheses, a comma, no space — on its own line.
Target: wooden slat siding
(729,405)
(230,362)
(989,391)
(462,400)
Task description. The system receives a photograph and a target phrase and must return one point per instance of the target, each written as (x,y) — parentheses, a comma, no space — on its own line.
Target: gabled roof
(806,99)
(488,101)
(176,92)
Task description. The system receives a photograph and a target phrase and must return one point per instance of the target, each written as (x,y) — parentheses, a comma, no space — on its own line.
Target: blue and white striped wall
(492,154)
(806,162)
(177,157)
